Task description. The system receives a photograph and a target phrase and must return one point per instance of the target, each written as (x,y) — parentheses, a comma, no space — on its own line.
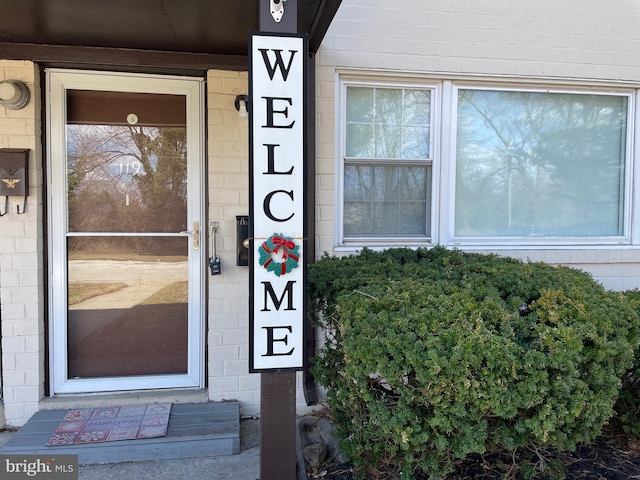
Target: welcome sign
(277,70)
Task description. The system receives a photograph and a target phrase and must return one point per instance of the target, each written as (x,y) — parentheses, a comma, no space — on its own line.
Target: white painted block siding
(21,261)
(588,39)
(228,177)
(575,41)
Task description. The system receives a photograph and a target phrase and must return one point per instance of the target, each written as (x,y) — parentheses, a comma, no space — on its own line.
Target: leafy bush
(628,404)
(432,355)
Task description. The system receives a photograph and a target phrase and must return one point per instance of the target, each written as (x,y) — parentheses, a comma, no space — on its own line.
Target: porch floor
(194,430)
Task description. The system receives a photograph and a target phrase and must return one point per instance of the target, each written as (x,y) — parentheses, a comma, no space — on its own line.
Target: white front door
(126,263)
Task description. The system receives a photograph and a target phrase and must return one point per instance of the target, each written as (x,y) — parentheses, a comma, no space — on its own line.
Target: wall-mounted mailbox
(14,172)
(14,175)
(242,240)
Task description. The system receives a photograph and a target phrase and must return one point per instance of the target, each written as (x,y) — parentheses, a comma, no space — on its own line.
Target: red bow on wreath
(279,242)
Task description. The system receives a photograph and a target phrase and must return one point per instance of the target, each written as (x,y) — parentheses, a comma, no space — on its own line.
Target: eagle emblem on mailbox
(11,182)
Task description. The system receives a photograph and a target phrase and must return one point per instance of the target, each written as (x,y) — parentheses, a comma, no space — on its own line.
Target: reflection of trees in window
(163,187)
(385,200)
(532,163)
(126,178)
(388,123)
(386,197)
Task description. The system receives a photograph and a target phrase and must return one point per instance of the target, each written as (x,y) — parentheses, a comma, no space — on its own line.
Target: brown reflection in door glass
(126,162)
(128,306)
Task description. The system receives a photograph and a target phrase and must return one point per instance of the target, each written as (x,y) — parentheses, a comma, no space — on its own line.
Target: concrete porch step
(194,430)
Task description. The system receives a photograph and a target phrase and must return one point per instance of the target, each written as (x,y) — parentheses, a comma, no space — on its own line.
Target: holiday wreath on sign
(279,254)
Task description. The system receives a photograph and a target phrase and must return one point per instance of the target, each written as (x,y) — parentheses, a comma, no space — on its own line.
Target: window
(545,164)
(517,166)
(387,162)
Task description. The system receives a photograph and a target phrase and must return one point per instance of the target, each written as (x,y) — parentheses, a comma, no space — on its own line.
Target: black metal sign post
(278,93)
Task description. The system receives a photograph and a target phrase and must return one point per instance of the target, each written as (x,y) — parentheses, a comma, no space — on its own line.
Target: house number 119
(130,168)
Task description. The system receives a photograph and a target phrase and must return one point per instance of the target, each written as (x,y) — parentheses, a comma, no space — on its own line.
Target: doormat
(95,425)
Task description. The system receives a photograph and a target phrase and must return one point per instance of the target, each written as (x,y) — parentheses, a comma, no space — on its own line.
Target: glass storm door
(126,283)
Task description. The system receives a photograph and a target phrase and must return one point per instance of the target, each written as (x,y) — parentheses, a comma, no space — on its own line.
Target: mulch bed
(612,456)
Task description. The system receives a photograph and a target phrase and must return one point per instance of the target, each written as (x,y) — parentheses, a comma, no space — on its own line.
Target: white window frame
(447,215)
(443,162)
(354,242)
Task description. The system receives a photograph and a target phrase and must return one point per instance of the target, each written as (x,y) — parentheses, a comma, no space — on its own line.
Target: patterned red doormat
(95,425)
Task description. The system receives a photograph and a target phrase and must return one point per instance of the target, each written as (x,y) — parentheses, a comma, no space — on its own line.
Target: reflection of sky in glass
(114,162)
(129,173)
(526,164)
(388,123)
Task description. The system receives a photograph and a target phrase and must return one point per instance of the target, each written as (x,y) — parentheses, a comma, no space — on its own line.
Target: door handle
(196,235)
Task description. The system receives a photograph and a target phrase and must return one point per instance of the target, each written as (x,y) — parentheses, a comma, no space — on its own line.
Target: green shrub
(432,355)
(627,407)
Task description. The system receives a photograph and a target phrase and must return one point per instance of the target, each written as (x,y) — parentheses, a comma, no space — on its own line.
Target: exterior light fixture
(14,94)
(242,105)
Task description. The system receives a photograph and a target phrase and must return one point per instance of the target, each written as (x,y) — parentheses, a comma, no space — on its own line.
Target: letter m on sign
(277,201)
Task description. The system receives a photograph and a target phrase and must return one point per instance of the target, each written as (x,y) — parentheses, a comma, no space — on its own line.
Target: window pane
(357,183)
(412,185)
(385,184)
(127,306)
(126,179)
(388,106)
(417,107)
(415,142)
(388,123)
(385,200)
(359,105)
(360,142)
(411,219)
(356,218)
(388,140)
(540,164)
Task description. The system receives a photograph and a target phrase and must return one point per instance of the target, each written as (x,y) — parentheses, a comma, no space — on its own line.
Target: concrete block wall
(21,260)
(228,196)
(588,39)
(573,42)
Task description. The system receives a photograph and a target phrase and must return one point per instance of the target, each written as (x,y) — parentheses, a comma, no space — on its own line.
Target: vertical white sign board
(277,201)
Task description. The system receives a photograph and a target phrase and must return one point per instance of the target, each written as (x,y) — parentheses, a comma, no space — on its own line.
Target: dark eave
(144,35)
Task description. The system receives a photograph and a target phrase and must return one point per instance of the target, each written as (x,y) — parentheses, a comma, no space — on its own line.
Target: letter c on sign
(267,206)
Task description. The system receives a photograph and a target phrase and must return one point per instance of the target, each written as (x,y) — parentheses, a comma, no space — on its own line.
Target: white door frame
(58,82)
